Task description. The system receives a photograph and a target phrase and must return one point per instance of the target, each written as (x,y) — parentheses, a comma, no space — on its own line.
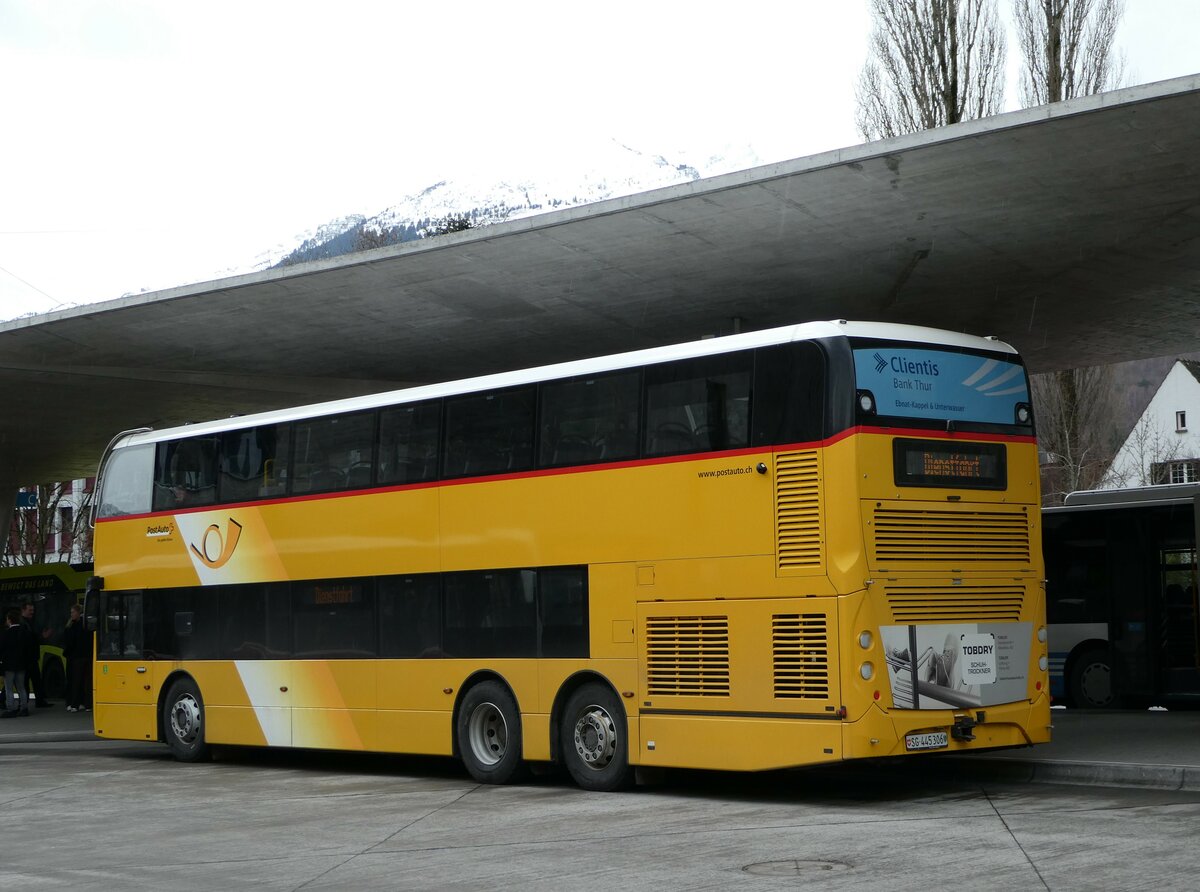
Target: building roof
(1070,231)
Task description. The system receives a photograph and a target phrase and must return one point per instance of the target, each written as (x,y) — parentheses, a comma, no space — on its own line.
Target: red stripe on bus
(580,469)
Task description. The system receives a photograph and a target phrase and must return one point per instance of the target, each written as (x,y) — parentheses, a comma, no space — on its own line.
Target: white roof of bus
(709,346)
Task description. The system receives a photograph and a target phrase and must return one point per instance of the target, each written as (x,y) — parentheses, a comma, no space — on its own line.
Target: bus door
(1177,622)
(123,673)
(1132,542)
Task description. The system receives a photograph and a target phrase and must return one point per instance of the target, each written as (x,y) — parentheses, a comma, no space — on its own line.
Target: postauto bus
(789,547)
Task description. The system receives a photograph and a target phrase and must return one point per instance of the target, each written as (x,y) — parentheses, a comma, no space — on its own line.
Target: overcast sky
(149,143)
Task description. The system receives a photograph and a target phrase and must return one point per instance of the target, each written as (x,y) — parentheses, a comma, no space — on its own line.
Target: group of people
(20,656)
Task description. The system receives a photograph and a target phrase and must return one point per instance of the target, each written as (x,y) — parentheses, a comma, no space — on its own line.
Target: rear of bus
(944,646)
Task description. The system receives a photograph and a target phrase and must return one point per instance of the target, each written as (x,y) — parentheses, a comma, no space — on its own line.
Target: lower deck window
(539,612)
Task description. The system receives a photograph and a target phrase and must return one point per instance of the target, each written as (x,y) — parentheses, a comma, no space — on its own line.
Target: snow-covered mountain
(604,170)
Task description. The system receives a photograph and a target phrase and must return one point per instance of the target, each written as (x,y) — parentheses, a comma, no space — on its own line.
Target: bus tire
(1091,683)
(183,722)
(488,730)
(595,743)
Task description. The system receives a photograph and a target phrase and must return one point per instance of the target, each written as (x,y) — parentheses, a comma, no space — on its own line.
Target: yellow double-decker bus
(782,548)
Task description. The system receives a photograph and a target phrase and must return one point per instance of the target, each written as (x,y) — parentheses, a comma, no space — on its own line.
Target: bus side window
(589,420)
(254,463)
(489,433)
(789,394)
(336,452)
(186,473)
(698,405)
(408,443)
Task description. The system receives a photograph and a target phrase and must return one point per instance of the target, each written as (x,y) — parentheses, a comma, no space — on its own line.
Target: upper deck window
(698,405)
(185,473)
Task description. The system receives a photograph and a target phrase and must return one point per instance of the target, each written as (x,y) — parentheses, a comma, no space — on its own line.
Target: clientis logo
(216,547)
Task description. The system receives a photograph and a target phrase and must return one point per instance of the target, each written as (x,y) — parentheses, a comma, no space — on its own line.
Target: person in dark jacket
(14,655)
(79,658)
(33,670)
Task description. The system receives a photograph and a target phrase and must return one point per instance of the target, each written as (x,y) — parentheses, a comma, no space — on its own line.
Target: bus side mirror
(91,603)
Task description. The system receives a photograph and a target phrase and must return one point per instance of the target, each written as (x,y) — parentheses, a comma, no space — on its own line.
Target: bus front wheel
(489,734)
(1091,682)
(183,721)
(594,741)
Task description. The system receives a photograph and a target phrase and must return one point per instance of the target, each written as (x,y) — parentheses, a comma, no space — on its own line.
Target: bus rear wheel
(594,744)
(1091,683)
(488,729)
(183,722)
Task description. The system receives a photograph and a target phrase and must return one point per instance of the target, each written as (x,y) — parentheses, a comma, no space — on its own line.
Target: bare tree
(1067,46)
(55,528)
(1073,411)
(932,62)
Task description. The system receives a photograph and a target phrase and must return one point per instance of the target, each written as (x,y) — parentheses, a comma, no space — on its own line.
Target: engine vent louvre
(915,535)
(800,648)
(687,656)
(798,510)
(954,603)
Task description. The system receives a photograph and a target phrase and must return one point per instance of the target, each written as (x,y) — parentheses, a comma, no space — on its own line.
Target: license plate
(931,740)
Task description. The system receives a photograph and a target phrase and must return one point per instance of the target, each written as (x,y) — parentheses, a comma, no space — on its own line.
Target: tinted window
(563,608)
(489,433)
(408,443)
(490,614)
(698,405)
(334,619)
(128,479)
(333,453)
(254,463)
(789,394)
(121,626)
(185,473)
(255,621)
(410,616)
(589,419)
(181,624)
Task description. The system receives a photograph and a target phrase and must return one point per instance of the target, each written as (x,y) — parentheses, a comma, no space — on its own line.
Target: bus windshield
(917,382)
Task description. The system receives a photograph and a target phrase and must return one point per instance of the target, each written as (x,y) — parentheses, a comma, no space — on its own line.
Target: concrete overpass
(1072,231)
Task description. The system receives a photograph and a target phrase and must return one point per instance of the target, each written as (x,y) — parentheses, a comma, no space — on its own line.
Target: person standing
(33,671)
(14,654)
(75,649)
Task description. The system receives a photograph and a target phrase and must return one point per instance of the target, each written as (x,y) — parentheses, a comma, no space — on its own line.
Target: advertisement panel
(913,383)
(958,665)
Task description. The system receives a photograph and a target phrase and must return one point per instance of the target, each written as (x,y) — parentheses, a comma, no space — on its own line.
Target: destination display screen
(937,463)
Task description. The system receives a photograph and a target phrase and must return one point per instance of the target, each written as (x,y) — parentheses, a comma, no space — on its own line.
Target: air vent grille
(955,603)
(916,535)
(798,510)
(800,647)
(687,656)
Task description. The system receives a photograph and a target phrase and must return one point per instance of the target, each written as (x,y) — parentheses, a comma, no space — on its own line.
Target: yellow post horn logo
(225,544)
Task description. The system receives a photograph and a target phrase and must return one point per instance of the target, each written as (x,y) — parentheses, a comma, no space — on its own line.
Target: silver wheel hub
(596,738)
(185,719)
(487,734)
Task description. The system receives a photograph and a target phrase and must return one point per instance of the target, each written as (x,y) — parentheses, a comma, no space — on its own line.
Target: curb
(1102,774)
(48,737)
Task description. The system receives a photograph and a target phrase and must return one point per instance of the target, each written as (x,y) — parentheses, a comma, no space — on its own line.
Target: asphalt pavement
(1145,748)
